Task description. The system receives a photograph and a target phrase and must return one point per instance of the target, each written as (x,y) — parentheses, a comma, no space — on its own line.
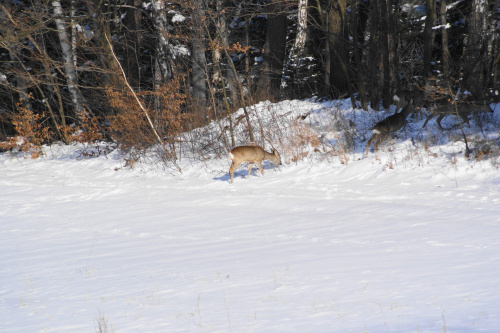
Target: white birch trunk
(68,57)
(300,39)
(73,32)
(163,70)
(221,37)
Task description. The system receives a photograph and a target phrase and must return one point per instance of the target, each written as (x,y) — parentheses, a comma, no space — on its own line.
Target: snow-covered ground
(407,240)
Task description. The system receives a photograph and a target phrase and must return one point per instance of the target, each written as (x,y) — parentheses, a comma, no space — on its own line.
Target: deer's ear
(275,152)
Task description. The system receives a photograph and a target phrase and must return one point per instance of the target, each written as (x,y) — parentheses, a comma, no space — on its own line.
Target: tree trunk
(74,32)
(163,69)
(358,27)
(374,66)
(68,57)
(133,37)
(475,50)
(496,48)
(429,34)
(337,76)
(274,50)
(222,37)
(444,43)
(384,39)
(21,81)
(220,33)
(300,39)
(199,68)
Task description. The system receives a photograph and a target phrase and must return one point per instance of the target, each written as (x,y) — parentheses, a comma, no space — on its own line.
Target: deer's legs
(368,145)
(260,167)
(438,120)
(250,165)
(232,168)
(429,117)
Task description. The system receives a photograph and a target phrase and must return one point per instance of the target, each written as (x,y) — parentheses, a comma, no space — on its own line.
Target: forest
(140,73)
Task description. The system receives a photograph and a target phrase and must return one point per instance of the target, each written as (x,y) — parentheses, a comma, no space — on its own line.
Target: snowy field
(387,243)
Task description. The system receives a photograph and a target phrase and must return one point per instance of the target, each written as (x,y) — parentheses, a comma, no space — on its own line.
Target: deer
(385,128)
(251,154)
(403,97)
(442,109)
(419,96)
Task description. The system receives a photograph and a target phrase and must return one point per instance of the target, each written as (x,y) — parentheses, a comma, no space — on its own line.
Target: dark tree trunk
(429,34)
(337,77)
(386,63)
(475,50)
(444,43)
(496,47)
(358,27)
(274,50)
(374,64)
(133,23)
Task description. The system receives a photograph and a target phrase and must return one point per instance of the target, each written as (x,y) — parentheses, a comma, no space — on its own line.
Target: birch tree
(68,57)
(300,39)
(163,69)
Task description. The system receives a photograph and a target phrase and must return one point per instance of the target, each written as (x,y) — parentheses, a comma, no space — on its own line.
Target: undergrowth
(32,132)
(324,132)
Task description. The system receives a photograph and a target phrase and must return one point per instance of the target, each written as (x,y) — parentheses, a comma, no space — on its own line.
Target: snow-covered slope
(406,240)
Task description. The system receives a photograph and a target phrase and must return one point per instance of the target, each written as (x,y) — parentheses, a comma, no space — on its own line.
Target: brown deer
(403,97)
(385,128)
(442,109)
(251,154)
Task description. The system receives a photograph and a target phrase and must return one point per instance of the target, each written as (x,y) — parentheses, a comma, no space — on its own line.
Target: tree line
(140,72)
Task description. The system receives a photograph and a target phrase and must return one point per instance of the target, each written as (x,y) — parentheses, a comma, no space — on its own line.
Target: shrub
(160,119)
(31,133)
